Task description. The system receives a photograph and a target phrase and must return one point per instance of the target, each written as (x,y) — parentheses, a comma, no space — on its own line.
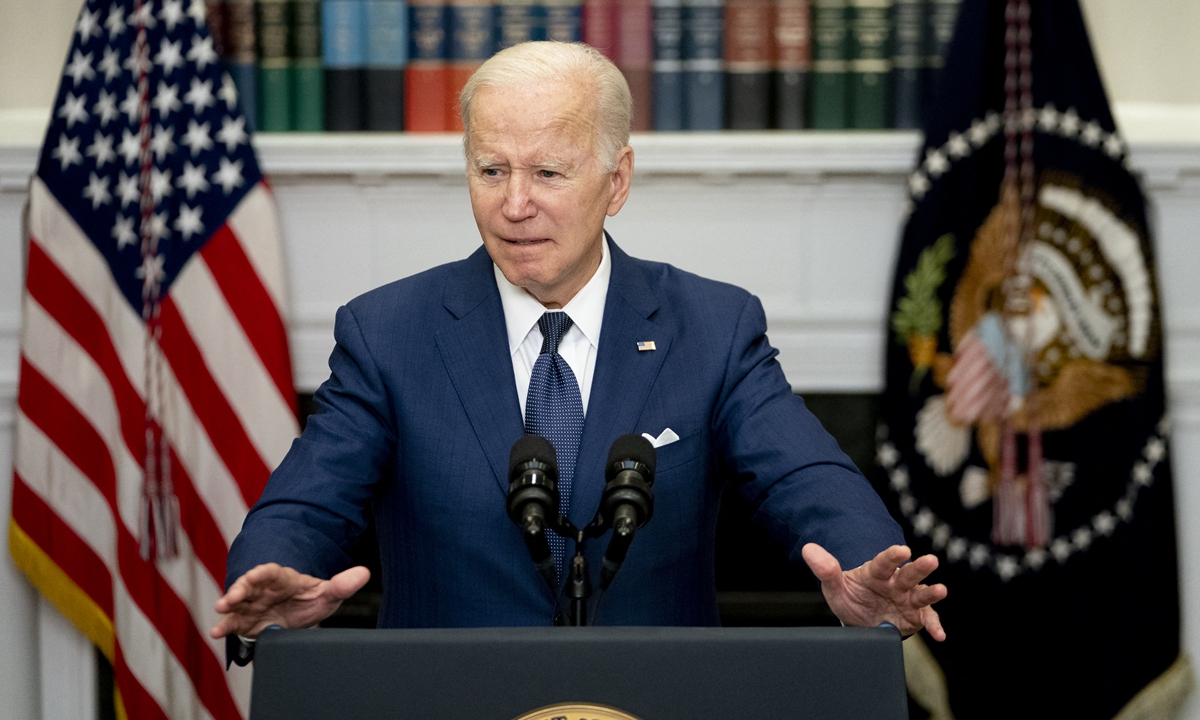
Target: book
(518,21)
(668,65)
(386,56)
(828,98)
(870,63)
(243,57)
(274,64)
(472,35)
(425,77)
(792,52)
(563,19)
(344,51)
(941,16)
(748,63)
(308,84)
(635,52)
(216,16)
(908,60)
(703,77)
(600,26)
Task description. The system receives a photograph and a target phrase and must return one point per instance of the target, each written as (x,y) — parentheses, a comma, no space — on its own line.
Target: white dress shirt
(578,346)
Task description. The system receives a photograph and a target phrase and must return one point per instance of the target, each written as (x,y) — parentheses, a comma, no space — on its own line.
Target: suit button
(560,620)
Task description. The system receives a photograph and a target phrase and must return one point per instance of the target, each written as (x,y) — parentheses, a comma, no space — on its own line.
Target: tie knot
(553,326)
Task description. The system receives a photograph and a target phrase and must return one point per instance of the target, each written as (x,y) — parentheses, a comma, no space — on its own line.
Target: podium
(590,673)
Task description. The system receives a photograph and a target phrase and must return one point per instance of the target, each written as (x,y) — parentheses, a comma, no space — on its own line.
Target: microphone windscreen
(532,447)
(632,447)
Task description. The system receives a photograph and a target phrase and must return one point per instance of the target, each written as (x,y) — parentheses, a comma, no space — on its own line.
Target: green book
(308,77)
(274,65)
(870,63)
(830,52)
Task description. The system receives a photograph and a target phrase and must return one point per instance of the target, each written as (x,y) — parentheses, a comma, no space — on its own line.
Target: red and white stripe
(227,414)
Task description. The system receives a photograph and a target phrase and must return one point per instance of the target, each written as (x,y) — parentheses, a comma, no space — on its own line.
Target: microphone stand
(579,587)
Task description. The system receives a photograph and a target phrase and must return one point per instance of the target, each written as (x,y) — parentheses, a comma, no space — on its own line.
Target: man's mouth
(525,241)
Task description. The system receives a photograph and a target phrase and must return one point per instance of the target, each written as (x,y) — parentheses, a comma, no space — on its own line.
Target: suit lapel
(624,376)
(474,348)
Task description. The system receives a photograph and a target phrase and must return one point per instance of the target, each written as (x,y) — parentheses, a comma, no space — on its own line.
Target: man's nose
(518,198)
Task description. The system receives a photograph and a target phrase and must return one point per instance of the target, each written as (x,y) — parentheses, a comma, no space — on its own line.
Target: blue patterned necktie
(554,410)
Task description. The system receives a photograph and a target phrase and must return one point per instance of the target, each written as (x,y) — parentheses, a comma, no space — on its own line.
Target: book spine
(425,80)
(600,23)
(216,16)
(635,56)
(792,53)
(344,48)
(829,67)
(274,64)
(748,64)
(243,57)
(908,58)
(703,70)
(941,16)
(564,20)
(870,63)
(518,21)
(308,84)
(668,65)
(387,53)
(472,36)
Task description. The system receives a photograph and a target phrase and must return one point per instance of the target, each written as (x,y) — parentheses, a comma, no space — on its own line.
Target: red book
(426,79)
(600,26)
(748,63)
(635,53)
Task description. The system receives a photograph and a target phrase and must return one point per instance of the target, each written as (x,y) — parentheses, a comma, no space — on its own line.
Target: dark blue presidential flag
(1024,436)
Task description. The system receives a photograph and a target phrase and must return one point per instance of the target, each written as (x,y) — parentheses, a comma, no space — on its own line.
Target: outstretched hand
(274,595)
(883,589)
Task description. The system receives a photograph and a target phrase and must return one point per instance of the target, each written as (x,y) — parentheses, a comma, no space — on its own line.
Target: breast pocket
(682,452)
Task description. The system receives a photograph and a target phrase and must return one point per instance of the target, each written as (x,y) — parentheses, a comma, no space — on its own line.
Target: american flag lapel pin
(644,345)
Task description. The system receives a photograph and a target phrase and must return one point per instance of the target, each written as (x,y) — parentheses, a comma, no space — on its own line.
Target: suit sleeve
(314,505)
(788,468)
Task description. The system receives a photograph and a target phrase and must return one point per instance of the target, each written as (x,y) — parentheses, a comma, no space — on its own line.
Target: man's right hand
(274,595)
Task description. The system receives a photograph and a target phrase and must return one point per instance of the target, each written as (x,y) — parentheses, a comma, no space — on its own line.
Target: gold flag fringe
(1161,699)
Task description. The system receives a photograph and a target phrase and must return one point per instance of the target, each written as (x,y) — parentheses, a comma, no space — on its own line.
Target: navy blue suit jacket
(420,412)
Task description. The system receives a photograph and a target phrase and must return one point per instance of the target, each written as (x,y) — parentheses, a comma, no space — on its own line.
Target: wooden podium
(591,673)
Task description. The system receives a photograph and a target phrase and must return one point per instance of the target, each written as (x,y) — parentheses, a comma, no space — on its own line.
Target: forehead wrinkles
(545,125)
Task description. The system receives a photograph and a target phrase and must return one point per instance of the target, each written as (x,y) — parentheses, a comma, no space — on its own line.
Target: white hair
(532,64)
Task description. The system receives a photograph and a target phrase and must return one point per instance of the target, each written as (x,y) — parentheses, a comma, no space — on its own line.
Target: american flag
(155,389)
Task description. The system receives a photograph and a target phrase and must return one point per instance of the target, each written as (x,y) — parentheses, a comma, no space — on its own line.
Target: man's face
(537,191)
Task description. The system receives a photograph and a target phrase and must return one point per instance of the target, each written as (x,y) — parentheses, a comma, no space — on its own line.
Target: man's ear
(621,180)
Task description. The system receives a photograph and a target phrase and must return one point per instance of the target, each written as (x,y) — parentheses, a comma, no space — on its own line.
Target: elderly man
(435,377)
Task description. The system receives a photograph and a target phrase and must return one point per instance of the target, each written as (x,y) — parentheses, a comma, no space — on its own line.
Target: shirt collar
(522,310)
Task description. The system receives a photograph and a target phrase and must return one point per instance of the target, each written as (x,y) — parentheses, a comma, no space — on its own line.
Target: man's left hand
(884,589)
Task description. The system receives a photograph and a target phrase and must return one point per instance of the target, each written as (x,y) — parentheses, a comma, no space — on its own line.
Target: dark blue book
(344,52)
(243,57)
(387,54)
(519,21)
(703,76)
(940,17)
(908,59)
(563,20)
(668,65)
(472,41)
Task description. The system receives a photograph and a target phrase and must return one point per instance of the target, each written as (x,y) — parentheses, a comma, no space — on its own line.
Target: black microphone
(627,502)
(533,498)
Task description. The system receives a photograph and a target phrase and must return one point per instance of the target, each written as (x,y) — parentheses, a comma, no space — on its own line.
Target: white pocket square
(666,437)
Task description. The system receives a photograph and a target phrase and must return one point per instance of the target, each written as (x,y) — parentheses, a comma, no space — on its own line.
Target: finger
(933,624)
(913,573)
(925,595)
(824,565)
(883,566)
(348,582)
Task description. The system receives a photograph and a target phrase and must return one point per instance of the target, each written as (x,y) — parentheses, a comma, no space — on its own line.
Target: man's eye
(490,172)
(548,174)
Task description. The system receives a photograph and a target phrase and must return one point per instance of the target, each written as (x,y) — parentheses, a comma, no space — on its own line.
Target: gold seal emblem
(576,711)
